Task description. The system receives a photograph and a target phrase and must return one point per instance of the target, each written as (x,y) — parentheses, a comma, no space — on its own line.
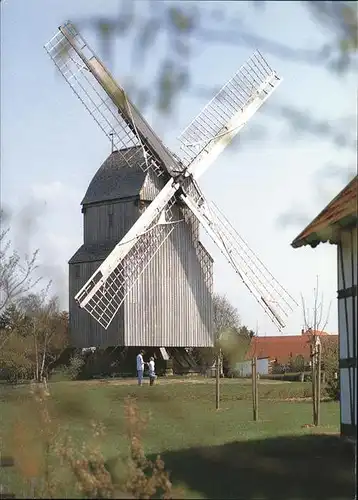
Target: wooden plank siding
(84,330)
(170,304)
(109,221)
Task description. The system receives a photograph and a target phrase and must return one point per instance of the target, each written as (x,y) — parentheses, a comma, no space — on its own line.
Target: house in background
(338,224)
(244,368)
(284,350)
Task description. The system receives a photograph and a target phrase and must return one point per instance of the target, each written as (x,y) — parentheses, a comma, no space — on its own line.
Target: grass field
(209,453)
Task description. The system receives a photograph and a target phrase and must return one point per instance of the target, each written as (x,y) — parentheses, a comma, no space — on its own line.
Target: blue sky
(51,148)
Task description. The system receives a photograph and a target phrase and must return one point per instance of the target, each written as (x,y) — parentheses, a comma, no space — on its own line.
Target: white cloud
(54,191)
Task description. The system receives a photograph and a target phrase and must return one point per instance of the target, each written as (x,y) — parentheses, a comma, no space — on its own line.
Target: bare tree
(227,332)
(225,315)
(315,318)
(17,275)
(232,338)
(315,321)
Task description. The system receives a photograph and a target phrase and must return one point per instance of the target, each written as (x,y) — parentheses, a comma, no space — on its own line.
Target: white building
(338,225)
(244,368)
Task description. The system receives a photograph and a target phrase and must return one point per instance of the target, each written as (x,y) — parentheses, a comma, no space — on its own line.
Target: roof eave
(328,234)
(327,228)
(109,200)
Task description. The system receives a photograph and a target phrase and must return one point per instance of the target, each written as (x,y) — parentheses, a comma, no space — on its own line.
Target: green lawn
(209,453)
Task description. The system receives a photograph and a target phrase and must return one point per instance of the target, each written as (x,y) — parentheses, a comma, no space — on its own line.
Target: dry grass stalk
(88,466)
(144,477)
(33,441)
(40,439)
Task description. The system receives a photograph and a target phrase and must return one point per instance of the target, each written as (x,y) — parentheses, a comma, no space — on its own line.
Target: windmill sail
(119,263)
(272,297)
(106,101)
(105,291)
(229,110)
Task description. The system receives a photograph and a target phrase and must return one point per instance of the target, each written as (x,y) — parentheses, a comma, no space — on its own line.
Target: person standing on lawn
(151,367)
(140,367)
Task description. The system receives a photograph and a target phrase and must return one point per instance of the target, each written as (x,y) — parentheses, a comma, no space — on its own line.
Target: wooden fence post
(217,392)
(313,376)
(255,399)
(318,383)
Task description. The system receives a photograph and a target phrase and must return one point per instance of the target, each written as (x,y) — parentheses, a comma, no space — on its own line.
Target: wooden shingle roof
(93,252)
(115,180)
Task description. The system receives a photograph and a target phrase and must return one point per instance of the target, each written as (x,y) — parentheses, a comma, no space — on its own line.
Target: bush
(333,385)
(288,377)
(297,364)
(330,359)
(71,371)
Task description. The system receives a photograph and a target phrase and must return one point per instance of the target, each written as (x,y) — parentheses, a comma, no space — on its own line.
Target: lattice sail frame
(274,299)
(107,102)
(272,296)
(105,302)
(253,79)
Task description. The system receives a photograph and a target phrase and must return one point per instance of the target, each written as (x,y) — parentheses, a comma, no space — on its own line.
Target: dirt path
(184,380)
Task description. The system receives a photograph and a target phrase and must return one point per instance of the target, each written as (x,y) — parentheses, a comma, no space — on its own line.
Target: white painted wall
(244,368)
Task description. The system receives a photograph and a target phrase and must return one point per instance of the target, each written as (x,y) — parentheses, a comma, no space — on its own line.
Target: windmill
(179,200)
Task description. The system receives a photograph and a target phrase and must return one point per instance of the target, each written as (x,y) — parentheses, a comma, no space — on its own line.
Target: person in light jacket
(140,367)
(151,368)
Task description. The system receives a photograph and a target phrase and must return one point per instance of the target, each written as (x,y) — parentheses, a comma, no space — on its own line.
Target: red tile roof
(342,210)
(283,348)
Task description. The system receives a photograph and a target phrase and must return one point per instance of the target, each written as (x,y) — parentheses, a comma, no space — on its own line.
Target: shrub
(330,360)
(75,367)
(71,371)
(297,364)
(288,377)
(333,386)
